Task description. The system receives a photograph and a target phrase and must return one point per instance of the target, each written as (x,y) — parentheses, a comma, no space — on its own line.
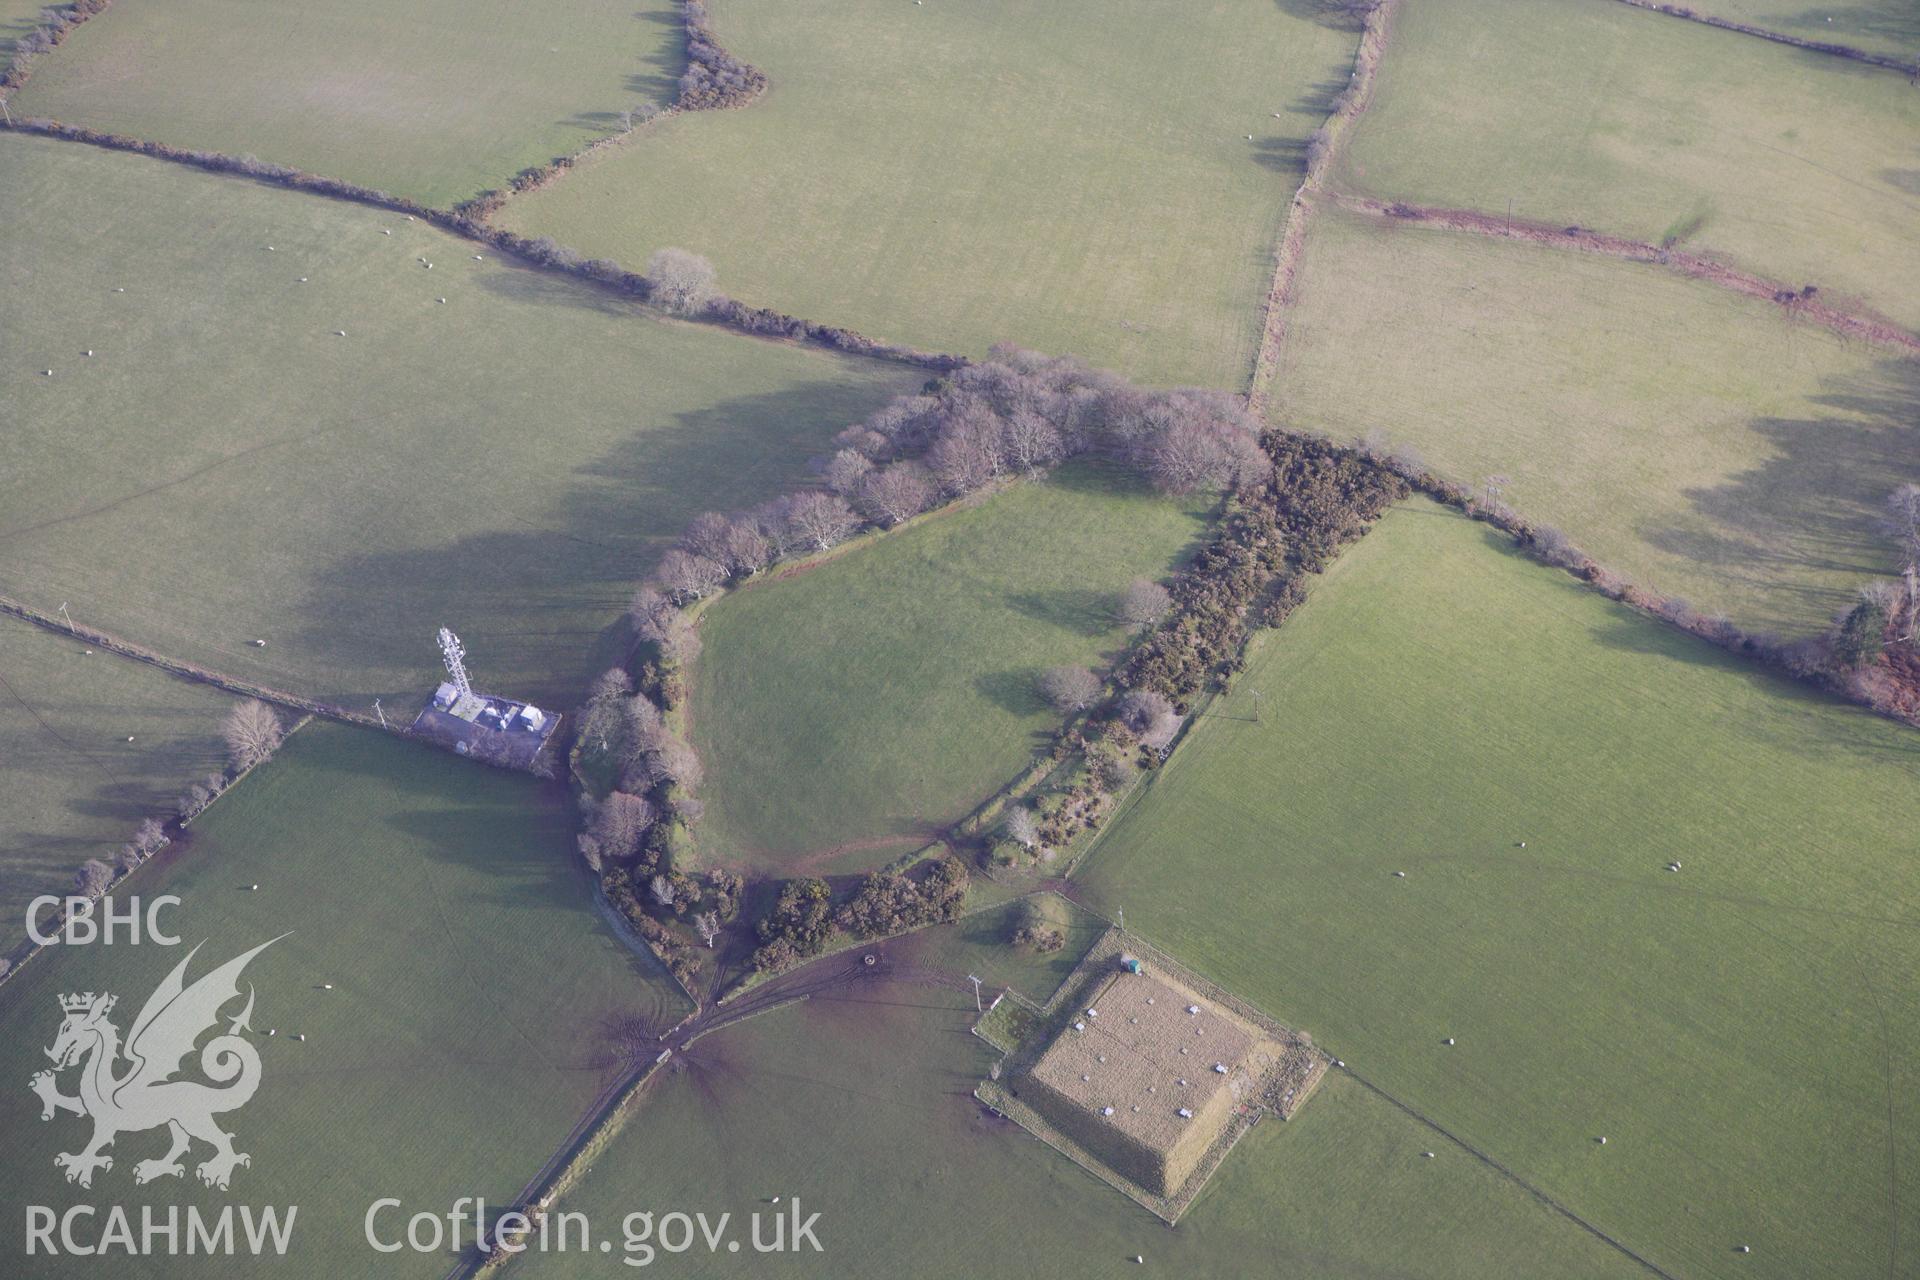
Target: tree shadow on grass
(1012,691)
(1316,101)
(1281,154)
(1341,15)
(1075,610)
(1841,23)
(659,83)
(519,283)
(1814,504)
(458,821)
(539,598)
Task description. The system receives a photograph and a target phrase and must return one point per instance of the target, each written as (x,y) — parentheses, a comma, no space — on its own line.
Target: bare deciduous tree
(1407,461)
(650,612)
(689,577)
(707,925)
(968,453)
(149,837)
(1150,718)
(620,823)
(252,732)
(707,535)
(897,492)
(661,890)
(846,470)
(1143,602)
(680,281)
(1030,441)
(674,761)
(1021,827)
(823,520)
(1204,451)
(92,879)
(745,549)
(1069,688)
(680,644)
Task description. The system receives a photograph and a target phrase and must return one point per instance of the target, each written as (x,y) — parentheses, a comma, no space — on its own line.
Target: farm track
(1778,37)
(827,976)
(1850,324)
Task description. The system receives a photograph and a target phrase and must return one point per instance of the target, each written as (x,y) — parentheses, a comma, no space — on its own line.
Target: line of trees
(1315,499)
(56,24)
(469,220)
(888,902)
(1017,413)
(1871,654)
(796,926)
(252,731)
(1874,646)
(1310,500)
(714,78)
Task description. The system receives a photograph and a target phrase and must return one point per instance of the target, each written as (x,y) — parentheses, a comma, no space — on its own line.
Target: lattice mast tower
(455,655)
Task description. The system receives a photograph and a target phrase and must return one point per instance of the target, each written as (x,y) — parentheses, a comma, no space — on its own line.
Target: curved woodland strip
(1779,37)
(1802,302)
(759,322)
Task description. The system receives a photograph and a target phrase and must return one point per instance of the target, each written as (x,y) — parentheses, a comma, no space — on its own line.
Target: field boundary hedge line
(26,949)
(704,86)
(1808,661)
(1778,37)
(541,253)
(57,23)
(1321,149)
(1269,539)
(1801,301)
(190,671)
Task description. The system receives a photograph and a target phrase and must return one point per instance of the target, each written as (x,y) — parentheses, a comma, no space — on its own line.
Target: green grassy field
(885,693)
(465,1033)
(1801,167)
(437,100)
(1742,1031)
(1878,26)
(225,468)
(861,1102)
(1695,440)
(1074,175)
(75,787)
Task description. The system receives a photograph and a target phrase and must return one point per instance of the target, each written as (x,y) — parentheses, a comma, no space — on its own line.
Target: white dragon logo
(145,1096)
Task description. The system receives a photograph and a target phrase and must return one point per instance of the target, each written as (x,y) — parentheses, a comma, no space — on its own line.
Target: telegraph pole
(378,712)
(67,616)
(976,993)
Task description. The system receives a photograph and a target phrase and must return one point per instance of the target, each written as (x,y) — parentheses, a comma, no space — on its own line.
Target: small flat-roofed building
(445,695)
(530,717)
(1146,1077)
